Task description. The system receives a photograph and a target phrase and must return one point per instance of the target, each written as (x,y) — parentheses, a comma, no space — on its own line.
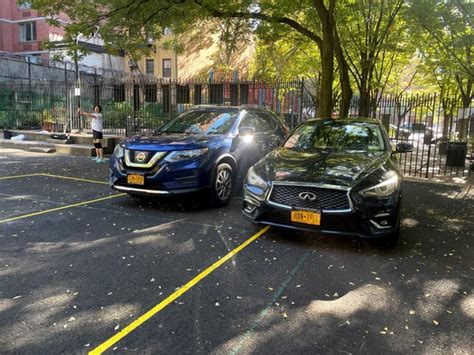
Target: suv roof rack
(252,106)
(212,106)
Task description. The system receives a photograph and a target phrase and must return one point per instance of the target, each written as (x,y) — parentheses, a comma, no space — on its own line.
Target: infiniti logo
(307,196)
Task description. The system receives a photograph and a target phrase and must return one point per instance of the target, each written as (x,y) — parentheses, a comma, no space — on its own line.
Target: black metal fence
(441,130)
(137,104)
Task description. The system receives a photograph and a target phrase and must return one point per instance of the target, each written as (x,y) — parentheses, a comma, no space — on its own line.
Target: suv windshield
(201,122)
(337,136)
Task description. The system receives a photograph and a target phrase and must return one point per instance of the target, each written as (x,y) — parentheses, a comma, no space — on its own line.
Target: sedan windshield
(201,122)
(336,135)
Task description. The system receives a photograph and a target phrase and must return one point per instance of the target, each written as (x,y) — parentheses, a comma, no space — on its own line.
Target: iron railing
(441,130)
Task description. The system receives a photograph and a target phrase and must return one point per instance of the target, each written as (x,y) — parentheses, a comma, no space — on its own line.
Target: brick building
(22,30)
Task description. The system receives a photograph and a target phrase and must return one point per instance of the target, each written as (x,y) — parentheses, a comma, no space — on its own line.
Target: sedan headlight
(119,151)
(384,189)
(185,154)
(254,179)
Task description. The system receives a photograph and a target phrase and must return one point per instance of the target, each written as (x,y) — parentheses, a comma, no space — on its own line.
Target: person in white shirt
(96,125)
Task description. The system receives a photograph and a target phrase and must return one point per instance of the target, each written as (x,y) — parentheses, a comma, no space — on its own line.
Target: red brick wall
(10,32)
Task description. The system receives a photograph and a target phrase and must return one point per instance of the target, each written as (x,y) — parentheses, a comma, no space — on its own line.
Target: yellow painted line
(171,298)
(18,176)
(60,208)
(54,176)
(75,179)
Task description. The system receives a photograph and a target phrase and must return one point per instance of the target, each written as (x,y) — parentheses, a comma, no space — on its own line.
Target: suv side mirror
(246,131)
(246,134)
(403,147)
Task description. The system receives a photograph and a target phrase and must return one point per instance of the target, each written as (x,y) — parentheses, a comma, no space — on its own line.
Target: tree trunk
(327,59)
(364,103)
(346,89)
(446,120)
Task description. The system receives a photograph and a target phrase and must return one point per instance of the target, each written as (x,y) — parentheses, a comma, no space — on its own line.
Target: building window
(166,31)
(28,31)
(166,68)
(150,67)
(55,37)
(24,6)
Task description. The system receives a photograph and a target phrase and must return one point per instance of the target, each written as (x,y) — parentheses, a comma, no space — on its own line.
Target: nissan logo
(140,157)
(307,196)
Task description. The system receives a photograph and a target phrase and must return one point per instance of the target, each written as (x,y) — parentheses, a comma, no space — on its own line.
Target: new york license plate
(306,217)
(135,179)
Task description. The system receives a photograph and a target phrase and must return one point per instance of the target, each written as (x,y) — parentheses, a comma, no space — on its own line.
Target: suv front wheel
(222,185)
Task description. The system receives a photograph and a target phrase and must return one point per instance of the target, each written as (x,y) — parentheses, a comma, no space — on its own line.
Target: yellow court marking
(60,208)
(171,298)
(18,176)
(54,176)
(75,179)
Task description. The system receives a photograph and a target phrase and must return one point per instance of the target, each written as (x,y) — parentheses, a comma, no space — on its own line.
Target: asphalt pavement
(85,269)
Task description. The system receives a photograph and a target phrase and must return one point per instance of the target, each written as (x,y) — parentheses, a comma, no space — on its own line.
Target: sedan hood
(171,142)
(343,168)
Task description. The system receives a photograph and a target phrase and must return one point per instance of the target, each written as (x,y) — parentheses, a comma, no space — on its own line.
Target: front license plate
(136,179)
(306,217)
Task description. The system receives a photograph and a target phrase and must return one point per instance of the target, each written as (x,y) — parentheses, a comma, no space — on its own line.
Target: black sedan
(333,176)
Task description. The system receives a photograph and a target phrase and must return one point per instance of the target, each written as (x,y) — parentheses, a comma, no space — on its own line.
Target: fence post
(428,162)
(301,100)
(30,104)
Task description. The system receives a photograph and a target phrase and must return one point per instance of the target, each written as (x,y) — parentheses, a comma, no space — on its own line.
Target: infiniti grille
(326,199)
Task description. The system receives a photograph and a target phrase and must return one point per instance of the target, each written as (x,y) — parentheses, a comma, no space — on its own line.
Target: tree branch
(259,16)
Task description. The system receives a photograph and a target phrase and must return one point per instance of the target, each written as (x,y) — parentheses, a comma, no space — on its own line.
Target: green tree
(445,32)
(369,32)
(448,30)
(234,33)
(125,24)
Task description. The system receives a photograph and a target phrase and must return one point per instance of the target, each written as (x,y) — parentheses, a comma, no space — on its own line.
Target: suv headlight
(254,179)
(384,189)
(119,151)
(185,154)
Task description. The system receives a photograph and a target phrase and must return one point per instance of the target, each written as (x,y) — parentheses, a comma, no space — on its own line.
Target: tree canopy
(360,44)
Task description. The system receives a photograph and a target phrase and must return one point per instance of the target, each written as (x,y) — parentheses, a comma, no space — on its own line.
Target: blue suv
(206,148)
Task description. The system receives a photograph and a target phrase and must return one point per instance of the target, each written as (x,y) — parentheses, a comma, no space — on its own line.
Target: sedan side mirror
(403,147)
